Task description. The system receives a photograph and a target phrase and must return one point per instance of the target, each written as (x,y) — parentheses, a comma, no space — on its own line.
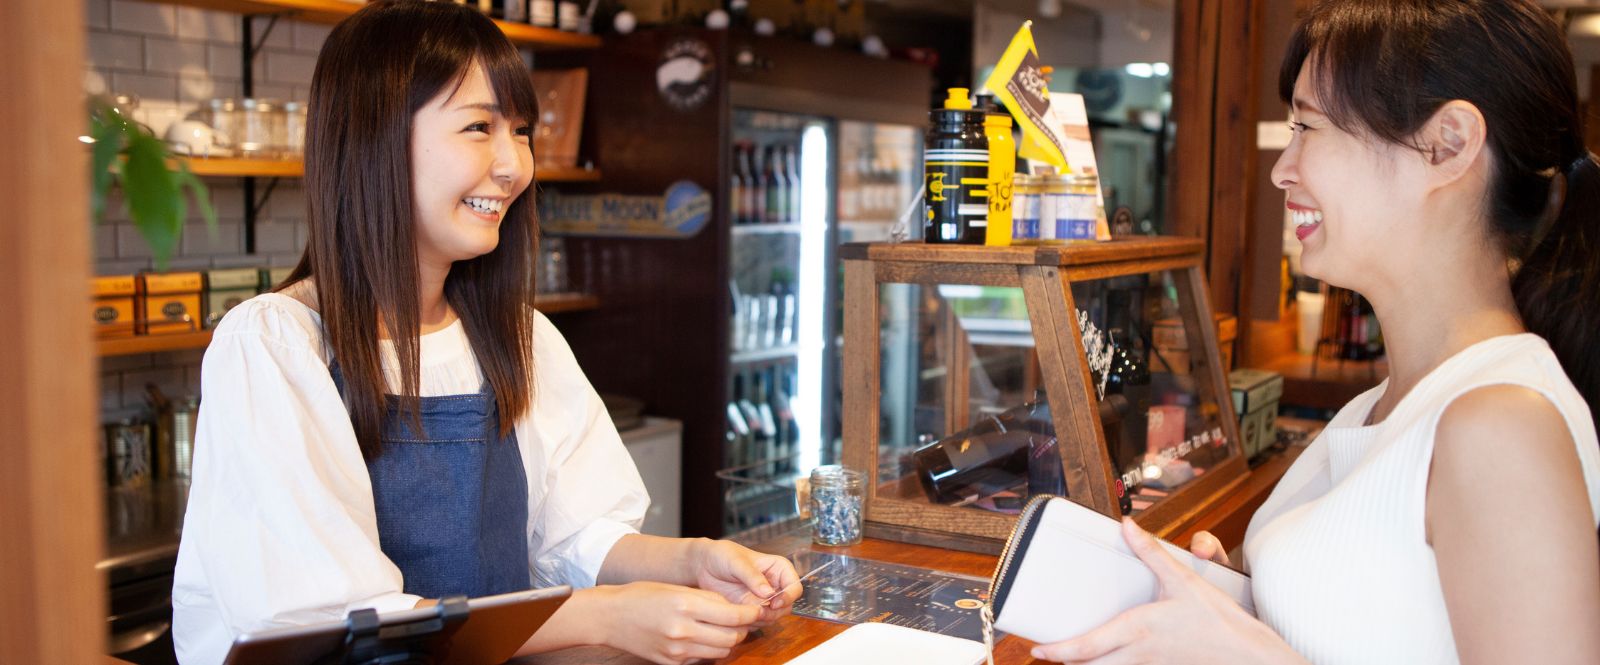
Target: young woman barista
(396,423)
(1437,167)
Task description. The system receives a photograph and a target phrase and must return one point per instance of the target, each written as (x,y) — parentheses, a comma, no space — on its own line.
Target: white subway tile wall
(175,59)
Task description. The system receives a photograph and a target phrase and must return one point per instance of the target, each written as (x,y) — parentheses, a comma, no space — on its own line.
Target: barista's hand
(1206,546)
(670,624)
(1190,622)
(745,576)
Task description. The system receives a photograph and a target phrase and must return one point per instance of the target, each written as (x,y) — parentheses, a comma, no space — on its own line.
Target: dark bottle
(791,173)
(756,194)
(956,159)
(777,186)
(738,180)
(1128,391)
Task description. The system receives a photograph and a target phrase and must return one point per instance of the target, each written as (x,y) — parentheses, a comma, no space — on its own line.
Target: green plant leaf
(107,129)
(154,201)
(202,196)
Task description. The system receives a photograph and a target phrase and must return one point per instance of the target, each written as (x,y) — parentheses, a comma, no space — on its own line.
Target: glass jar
(552,265)
(1083,207)
(223,116)
(1024,209)
(836,503)
(294,129)
(262,131)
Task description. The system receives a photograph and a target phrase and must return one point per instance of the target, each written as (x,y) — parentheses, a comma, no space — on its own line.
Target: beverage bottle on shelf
(850,184)
(791,171)
(542,13)
(738,427)
(738,180)
(756,193)
(783,410)
(956,162)
(769,425)
(750,452)
(777,188)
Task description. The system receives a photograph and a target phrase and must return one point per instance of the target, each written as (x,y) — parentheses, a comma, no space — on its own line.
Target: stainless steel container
(127,451)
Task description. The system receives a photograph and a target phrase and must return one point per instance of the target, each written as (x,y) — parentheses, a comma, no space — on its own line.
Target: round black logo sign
(686,74)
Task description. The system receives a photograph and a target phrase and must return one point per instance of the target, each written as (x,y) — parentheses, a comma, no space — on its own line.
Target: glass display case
(976,377)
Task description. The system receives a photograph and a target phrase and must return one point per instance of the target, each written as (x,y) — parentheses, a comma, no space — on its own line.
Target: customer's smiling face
(469,162)
(1351,195)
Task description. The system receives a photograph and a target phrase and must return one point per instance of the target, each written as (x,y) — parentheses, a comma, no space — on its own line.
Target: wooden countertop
(794,635)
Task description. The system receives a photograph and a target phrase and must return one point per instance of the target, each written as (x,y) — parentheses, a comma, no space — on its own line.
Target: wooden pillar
(1217,49)
(52,609)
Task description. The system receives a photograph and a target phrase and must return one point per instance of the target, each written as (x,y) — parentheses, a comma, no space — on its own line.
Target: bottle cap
(997,120)
(958,100)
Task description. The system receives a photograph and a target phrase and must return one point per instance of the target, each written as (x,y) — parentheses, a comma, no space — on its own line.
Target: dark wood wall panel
(661,330)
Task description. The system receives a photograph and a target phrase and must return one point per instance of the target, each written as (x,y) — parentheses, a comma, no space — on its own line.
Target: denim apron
(452,499)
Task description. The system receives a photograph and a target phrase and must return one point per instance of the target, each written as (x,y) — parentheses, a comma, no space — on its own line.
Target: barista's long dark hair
(1386,66)
(376,70)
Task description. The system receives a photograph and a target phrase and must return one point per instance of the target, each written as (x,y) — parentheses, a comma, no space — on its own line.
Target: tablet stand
(413,643)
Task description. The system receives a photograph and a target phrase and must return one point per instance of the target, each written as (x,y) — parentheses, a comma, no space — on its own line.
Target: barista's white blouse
(280,528)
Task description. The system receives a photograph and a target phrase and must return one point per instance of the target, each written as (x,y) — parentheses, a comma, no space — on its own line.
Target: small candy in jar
(836,506)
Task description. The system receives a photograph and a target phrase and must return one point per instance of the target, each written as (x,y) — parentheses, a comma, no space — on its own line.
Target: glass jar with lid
(836,498)
(223,116)
(294,129)
(262,130)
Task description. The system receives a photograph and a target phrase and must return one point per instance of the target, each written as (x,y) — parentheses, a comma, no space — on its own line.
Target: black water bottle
(956,168)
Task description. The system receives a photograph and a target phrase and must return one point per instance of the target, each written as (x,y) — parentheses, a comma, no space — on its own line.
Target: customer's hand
(743,575)
(1206,546)
(1190,622)
(671,624)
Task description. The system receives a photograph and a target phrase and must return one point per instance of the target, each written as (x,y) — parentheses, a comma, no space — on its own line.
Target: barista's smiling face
(469,162)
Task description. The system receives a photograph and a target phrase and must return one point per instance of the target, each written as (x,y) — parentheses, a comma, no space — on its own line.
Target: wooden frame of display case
(1045,274)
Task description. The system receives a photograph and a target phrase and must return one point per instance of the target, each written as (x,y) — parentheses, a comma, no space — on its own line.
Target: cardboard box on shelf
(227,288)
(169,302)
(1255,402)
(1172,344)
(115,305)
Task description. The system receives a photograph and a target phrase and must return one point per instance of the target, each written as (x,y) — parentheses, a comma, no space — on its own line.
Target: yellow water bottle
(1002,165)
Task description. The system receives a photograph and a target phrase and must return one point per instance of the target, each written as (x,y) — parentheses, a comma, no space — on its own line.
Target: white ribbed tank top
(1338,554)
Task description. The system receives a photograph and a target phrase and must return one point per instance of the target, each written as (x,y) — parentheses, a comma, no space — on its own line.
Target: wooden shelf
(127,346)
(1330,384)
(556,303)
(222,167)
(333,11)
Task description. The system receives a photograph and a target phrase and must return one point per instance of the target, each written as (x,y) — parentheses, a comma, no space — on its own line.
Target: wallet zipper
(1008,556)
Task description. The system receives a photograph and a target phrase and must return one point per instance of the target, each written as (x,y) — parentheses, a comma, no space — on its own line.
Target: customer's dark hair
(376,70)
(1386,66)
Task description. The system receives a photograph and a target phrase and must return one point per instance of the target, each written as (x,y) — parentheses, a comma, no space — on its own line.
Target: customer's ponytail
(1557,286)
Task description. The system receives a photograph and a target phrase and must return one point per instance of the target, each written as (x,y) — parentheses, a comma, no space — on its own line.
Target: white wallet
(1066,570)
(886,643)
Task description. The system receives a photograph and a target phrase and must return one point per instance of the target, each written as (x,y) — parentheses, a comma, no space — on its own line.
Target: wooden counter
(793,635)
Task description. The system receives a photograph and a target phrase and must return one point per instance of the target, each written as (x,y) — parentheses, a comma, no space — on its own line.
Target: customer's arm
(1513,531)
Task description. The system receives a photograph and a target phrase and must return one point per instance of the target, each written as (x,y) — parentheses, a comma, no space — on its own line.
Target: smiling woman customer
(396,423)
(1438,168)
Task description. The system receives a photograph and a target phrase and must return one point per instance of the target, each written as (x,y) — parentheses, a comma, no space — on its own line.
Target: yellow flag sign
(1019,84)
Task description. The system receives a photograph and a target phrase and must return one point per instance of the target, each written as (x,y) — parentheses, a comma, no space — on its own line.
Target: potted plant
(127,154)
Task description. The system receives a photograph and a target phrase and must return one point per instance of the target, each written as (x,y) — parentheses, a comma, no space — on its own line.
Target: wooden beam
(53,608)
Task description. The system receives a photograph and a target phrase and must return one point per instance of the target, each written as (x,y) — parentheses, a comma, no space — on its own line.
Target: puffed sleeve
(280,527)
(585,492)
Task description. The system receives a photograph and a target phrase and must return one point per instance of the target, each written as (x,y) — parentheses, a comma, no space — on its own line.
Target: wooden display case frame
(1045,274)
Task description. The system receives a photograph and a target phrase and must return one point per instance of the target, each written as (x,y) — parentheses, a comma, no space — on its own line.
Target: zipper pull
(987,614)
